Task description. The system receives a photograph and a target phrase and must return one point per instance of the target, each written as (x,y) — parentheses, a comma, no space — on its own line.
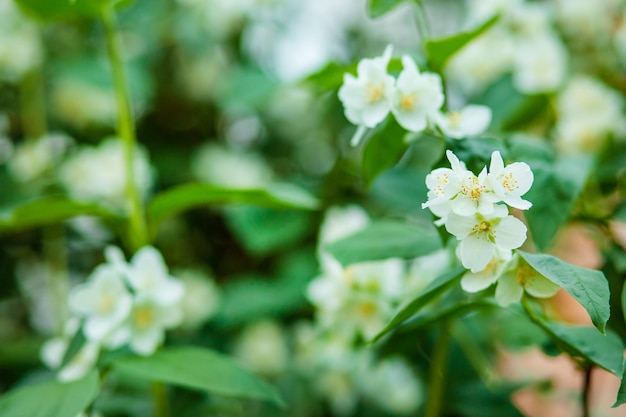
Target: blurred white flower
(471,120)
(201,300)
(262,347)
(366,98)
(481,236)
(33,159)
(103,301)
(588,21)
(519,277)
(424,270)
(20,49)
(229,168)
(99,173)
(540,63)
(392,385)
(417,97)
(81,104)
(510,182)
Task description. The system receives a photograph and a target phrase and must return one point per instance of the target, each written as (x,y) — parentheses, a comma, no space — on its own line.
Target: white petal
(52,352)
(464,206)
(170,291)
(541,287)
(97,328)
(82,299)
(460,226)
(475,253)
(497,164)
(475,119)
(523,175)
(115,257)
(147,341)
(80,364)
(474,282)
(508,291)
(412,121)
(517,202)
(510,233)
(375,113)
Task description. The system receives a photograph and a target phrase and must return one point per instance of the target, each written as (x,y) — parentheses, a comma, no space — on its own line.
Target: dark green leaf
(621,394)
(49,210)
(377,8)
(400,192)
(199,369)
(590,288)
(434,289)
(383,150)
(386,239)
(76,344)
(441,313)
(189,196)
(439,51)
(51,399)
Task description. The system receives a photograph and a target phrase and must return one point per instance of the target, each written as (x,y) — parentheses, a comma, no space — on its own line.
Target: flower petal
(541,287)
(460,226)
(510,233)
(476,253)
(508,291)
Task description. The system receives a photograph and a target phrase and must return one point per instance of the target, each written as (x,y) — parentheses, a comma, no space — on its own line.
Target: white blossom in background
(417,97)
(262,347)
(201,299)
(99,174)
(588,112)
(589,22)
(518,278)
(511,182)
(471,120)
(81,104)
(32,159)
(366,97)
(540,64)
(619,41)
(424,270)
(104,302)
(20,49)
(226,167)
(482,236)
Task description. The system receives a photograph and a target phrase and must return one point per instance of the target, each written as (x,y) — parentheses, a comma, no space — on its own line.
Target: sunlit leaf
(200,369)
(377,8)
(590,288)
(386,239)
(51,399)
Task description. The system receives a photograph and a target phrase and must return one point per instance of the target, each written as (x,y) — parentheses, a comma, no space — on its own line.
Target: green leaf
(555,189)
(60,9)
(439,51)
(189,196)
(51,399)
(263,231)
(377,8)
(621,394)
(590,288)
(605,351)
(200,369)
(386,239)
(49,210)
(383,150)
(434,289)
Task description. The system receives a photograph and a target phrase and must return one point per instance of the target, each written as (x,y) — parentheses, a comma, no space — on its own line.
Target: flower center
(455,119)
(483,230)
(473,190)
(525,275)
(408,101)
(375,93)
(367,309)
(143,317)
(509,182)
(106,303)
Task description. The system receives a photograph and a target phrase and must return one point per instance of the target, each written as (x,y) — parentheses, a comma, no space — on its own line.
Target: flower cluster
(415,98)
(122,303)
(468,206)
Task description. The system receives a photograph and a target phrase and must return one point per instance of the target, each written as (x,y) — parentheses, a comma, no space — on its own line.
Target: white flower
(540,63)
(471,120)
(417,97)
(145,328)
(263,348)
(443,185)
(510,183)
(392,384)
(148,275)
(481,236)
(34,158)
(478,281)
(104,302)
(201,300)
(520,277)
(366,97)
(475,195)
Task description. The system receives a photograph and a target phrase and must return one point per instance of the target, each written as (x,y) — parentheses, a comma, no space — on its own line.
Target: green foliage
(377,8)
(590,288)
(50,210)
(199,369)
(621,394)
(51,399)
(60,9)
(383,150)
(433,290)
(186,197)
(439,51)
(386,239)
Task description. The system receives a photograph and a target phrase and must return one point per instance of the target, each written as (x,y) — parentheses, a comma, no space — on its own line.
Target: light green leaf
(60,9)
(605,351)
(383,150)
(621,394)
(433,290)
(200,369)
(51,399)
(48,210)
(386,239)
(439,51)
(590,288)
(377,8)
(189,196)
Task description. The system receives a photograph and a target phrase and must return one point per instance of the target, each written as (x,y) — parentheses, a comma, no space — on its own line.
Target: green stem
(474,353)
(160,399)
(32,104)
(437,372)
(137,229)
(422,22)
(58,280)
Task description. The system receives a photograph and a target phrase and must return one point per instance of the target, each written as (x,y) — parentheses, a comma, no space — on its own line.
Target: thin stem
(32,104)
(422,22)
(160,399)
(137,229)
(587,392)
(474,354)
(437,372)
(58,280)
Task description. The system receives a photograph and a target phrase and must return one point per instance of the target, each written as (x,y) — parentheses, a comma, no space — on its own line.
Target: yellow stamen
(143,317)
(375,93)
(408,101)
